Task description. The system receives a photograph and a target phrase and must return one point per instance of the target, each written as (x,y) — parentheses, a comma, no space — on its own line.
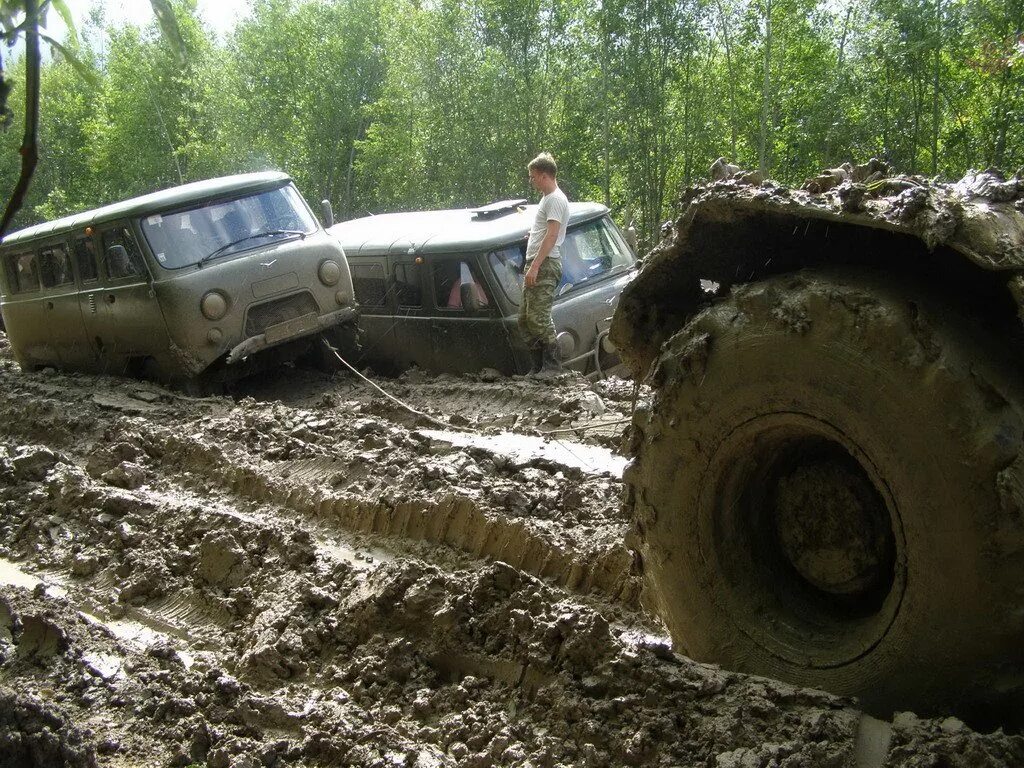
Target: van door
(59,303)
(24,312)
(124,318)
(376,310)
(86,258)
(467,330)
(412,324)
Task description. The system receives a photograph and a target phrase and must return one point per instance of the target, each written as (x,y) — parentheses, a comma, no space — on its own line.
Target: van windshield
(223,227)
(589,252)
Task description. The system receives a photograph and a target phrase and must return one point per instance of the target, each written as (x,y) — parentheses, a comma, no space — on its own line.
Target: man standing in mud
(544,266)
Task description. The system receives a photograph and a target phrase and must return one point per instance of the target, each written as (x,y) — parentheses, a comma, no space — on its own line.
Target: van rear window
(55,267)
(408,287)
(85,258)
(369,284)
(23,272)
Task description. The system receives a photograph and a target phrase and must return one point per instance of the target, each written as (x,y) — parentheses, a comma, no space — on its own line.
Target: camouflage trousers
(535,308)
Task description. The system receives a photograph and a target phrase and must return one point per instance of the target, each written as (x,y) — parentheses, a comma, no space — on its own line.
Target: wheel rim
(806,537)
(830,524)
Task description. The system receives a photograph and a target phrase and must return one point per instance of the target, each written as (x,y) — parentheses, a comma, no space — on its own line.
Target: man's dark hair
(544,163)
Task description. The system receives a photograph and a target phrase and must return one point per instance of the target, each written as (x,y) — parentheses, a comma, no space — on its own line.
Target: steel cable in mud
(445,425)
(391,397)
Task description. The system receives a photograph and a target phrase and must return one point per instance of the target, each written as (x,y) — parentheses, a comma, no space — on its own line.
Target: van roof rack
(500,208)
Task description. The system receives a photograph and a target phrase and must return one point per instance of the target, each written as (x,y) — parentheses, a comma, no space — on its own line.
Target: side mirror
(327,213)
(470,303)
(631,238)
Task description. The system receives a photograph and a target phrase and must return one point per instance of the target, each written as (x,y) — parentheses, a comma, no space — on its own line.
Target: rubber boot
(536,358)
(551,361)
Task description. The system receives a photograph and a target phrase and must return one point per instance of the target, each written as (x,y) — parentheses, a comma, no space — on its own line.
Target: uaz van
(206,279)
(441,289)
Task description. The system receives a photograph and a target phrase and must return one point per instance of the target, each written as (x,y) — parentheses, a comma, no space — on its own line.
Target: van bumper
(289,330)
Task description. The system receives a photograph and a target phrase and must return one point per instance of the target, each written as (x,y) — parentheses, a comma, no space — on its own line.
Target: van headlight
(214,305)
(330,272)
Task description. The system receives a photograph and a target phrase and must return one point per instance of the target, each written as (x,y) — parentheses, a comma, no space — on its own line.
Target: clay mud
(305,574)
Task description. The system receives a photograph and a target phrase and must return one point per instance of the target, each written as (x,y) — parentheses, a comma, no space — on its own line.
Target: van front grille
(263,316)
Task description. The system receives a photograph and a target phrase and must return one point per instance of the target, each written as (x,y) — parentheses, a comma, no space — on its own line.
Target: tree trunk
(350,171)
(29,144)
(605,127)
(727,42)
(763,139)
(937,58)
(839,88)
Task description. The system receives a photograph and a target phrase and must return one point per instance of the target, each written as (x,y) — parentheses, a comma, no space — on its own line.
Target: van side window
(507,266)
(55,267)
(120,265)
(449,278)
(370,285)
(23,272)
(408,287)
(85,259)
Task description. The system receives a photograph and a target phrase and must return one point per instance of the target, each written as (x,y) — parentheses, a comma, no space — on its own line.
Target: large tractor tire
(828,489)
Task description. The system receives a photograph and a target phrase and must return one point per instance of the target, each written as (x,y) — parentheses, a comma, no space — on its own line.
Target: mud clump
(221,561)
(36,735)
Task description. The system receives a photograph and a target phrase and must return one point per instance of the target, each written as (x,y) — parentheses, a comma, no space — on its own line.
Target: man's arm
(550,238)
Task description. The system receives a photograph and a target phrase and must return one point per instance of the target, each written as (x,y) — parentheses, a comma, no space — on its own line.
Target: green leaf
(65,13)
(80,66)
(169,26)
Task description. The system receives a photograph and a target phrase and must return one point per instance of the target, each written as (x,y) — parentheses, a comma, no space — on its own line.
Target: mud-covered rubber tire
(881,385)
(345,338)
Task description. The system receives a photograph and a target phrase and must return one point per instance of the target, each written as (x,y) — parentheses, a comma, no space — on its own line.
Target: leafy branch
(21,18)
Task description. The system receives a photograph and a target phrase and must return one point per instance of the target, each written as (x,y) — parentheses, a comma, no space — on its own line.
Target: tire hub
(831,526)
(807,539)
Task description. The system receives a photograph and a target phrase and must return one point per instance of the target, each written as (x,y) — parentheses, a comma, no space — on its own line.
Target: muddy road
(306,574)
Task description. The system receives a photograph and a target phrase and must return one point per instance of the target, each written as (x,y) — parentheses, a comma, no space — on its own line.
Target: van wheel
(203,385)
(345,339)
(829,490)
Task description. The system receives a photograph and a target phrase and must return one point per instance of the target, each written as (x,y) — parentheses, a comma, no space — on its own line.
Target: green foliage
(399,104)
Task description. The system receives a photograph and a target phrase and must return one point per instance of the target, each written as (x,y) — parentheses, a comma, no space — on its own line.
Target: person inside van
(118,264)
(54,267)
(465,277)
(27,272)
(236,224)
(119,261)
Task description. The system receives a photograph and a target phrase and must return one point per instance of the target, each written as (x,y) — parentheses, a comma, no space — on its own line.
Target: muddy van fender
(288,331)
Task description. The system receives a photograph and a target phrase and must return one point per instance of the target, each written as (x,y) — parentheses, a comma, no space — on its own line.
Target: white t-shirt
(553,207)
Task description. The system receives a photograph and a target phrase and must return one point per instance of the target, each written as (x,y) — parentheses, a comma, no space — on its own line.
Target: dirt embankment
(326,582)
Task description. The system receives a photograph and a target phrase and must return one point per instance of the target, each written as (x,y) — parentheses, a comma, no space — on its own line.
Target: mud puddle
(137,634)
(526,450)
(318,583)
(13,576)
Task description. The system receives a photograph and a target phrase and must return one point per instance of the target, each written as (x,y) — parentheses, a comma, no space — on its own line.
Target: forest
(384,105)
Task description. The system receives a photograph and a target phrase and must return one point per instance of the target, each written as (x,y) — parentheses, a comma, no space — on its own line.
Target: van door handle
(111,298)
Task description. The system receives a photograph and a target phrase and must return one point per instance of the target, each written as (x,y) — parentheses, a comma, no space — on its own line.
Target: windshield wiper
(269,232)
